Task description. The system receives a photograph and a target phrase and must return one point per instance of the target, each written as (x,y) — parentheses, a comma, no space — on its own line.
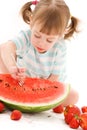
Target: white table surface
(45,120)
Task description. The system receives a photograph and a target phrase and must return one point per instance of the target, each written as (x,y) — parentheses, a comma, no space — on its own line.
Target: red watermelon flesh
(34,91)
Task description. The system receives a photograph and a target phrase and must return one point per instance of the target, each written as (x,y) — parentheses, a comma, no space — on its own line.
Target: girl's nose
(42,42)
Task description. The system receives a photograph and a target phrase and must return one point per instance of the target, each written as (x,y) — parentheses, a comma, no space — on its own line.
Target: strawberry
(83,121)
(70,112)
(74,123)
(72,109)
(58,109)
(2,107)
(16,115)
(84,109)
(68,117)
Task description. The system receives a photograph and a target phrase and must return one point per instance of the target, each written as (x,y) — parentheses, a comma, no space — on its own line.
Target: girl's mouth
(40,49)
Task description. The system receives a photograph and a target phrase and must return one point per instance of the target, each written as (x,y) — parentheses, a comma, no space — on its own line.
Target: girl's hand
(53,77)
(18,73)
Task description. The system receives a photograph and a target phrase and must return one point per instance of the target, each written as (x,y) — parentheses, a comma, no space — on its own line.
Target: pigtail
(26,12)
(72,27)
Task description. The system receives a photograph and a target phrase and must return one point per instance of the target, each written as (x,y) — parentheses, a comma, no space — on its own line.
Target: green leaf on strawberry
(74,123)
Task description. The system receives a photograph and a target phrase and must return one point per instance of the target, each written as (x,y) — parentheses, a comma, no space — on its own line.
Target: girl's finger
(13,69)
(21,70)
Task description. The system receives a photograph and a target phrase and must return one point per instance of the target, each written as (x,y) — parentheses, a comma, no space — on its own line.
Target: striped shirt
(40,64)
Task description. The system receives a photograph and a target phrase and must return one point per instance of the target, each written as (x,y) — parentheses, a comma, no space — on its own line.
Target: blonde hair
(52,15)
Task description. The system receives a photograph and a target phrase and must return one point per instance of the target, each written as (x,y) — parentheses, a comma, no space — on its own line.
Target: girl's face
(41,41)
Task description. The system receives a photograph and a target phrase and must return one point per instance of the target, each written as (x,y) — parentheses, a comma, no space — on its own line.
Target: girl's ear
(30,22)
(66,30)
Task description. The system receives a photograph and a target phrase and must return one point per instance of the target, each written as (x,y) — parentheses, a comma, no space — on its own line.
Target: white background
(11,23)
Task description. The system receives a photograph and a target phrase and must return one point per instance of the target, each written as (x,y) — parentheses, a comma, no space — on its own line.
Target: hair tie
(34,2)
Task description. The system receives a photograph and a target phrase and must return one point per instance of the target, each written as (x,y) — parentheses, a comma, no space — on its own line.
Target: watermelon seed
(41,89)
(44,88)
(7,85)
(14,88)
(38,89)
(33,89)
(24,89)
(55,87)
(1,80)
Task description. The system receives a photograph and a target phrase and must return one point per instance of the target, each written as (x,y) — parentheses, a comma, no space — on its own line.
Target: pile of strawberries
(15,114)
(73,115)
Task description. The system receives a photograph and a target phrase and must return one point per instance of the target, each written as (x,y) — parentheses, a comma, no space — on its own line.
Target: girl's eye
(37,36)
(49,41)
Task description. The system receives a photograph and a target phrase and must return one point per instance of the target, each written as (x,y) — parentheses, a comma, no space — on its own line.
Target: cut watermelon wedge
(35,95)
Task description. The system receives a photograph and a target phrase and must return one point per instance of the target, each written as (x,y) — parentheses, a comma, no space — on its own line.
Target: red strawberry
(74,123)
(84,109)
(72,109)
(58,109)
(16,115)
(83,121)
(70,112)
(68,117)
(2,107)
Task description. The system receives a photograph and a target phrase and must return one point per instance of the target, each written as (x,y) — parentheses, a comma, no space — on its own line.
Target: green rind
(37,108)
(27,109)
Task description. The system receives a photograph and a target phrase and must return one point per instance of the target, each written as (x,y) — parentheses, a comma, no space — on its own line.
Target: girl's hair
(52,15)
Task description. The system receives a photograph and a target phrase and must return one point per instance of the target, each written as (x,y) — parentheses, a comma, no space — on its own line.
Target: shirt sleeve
(22,40)
(61,61)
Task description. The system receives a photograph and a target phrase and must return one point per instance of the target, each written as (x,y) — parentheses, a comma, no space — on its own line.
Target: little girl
(41,50)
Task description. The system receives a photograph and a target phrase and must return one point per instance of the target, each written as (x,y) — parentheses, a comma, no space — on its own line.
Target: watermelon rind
(25,107)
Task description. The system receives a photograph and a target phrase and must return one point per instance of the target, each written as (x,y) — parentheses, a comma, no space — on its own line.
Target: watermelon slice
(35,95)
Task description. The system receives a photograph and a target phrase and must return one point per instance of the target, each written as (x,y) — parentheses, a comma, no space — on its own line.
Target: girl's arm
(6,49)
(53,77)
(8,65)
